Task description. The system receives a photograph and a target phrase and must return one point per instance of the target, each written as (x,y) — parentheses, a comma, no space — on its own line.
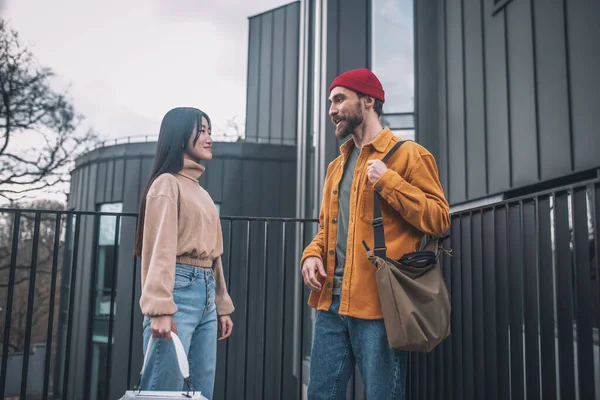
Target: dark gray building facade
(504,93)
(507,93)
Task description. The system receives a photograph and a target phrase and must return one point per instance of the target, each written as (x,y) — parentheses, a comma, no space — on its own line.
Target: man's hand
(309,272)
(225,326)
(162,326)
(375,168)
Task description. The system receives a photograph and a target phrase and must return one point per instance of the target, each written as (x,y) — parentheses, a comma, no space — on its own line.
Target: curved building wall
(244,179)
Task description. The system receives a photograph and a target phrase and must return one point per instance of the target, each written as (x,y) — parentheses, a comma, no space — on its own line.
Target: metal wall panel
(496,90)
(252,86)
(551,88)
(456,102)
(348,30)
(265,77)
(290,73)
(514,94)
(110,179)
(583,54)
(521,89)
(476,166)
(272,101)
(119,177)
(277,85)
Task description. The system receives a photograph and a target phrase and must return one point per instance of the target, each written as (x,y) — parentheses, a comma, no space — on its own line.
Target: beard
(348,124)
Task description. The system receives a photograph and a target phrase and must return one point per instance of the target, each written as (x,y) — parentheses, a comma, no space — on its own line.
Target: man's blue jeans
(339,343)
(196,322)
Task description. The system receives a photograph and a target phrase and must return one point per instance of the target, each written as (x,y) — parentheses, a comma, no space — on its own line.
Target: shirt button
(331,252)
(328,284)
(334,220)
(334,191)
(378,188)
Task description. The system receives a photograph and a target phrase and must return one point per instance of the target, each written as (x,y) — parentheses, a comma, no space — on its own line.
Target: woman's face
(202,149)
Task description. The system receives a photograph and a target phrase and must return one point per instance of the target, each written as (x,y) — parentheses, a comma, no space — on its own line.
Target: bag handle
(379,238)
(182,361)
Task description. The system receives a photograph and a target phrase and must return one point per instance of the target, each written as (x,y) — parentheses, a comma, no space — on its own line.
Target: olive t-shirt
(343,218)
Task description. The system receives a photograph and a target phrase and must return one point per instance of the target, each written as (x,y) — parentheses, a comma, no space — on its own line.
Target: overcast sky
(127,62)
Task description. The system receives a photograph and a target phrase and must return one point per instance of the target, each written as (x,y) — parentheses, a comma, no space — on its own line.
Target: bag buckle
(189,388)
(377,222)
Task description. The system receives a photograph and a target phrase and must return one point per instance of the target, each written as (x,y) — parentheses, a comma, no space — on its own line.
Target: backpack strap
(379,237)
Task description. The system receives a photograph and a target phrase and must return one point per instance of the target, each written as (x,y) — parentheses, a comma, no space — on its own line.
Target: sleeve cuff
(157,307)
(387,183)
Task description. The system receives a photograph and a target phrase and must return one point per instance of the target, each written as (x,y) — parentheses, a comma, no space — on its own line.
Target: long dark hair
(175,130)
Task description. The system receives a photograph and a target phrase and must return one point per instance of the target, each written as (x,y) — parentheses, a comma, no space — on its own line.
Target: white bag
(184,367)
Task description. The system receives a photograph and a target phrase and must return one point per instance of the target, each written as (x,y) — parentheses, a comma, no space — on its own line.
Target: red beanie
(360,80)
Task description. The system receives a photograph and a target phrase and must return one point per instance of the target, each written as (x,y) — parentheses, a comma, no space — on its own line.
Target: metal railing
(95,353)
(525,291)
(524,283)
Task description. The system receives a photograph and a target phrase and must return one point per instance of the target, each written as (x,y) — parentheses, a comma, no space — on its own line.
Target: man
(349,327)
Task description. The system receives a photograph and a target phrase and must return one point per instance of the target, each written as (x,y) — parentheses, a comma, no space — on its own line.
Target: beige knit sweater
(181,225)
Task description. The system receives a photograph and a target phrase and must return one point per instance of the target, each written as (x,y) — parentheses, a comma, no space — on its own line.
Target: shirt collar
(380,143)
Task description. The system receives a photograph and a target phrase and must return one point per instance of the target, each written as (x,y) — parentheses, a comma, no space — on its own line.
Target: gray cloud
(127,63)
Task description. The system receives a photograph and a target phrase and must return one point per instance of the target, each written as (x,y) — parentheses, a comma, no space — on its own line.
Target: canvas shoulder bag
(184,368)
(412,292)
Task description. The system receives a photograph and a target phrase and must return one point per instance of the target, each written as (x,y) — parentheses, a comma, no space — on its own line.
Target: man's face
(346,111)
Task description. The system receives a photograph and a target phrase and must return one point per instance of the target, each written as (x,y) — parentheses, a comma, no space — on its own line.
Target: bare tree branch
(32,112)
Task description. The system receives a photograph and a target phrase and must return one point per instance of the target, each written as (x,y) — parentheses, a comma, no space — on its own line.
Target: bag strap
(182,361)
(379,237)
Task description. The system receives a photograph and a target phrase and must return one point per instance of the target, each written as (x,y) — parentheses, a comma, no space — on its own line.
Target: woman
(179,240)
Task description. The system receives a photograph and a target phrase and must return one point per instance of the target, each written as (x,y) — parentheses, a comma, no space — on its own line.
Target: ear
(369,101)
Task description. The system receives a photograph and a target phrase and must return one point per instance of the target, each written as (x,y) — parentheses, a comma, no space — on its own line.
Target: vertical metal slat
(546,296)
(489,305)
(265,277)
(583,305)
(532,355)
(111,318)
(479,355)
(9,299)
(246,307)
(564,283)
(71,304)
(282,283)
(515,285)
(53,279)
(456,298)
(467,306)
(502,302)
(30,300)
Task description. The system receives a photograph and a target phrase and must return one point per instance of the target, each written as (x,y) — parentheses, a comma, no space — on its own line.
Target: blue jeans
(339,343)
(196,322)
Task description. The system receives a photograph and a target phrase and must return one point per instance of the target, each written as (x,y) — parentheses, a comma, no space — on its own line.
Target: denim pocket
(182,280)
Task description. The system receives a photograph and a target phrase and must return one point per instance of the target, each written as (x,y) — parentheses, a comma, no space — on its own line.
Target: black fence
(525,286)
(71,286)
(523,278)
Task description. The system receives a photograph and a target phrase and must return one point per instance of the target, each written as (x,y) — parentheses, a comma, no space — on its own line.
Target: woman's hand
(225,326)
(162,326)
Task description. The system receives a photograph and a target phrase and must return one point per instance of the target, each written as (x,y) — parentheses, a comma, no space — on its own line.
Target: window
(106,251)
(392,60)
(103,284)
(392,52)
(405,134)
